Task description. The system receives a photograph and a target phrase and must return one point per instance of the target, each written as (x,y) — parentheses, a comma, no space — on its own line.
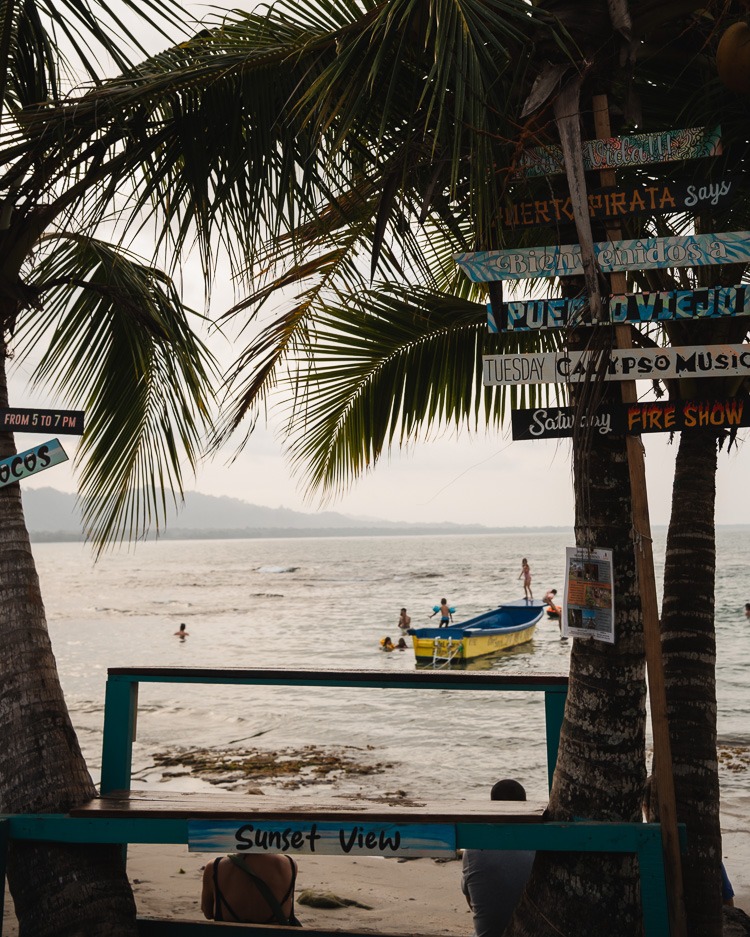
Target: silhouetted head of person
(508,789)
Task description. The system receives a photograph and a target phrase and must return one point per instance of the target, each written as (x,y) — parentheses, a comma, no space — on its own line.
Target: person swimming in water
(182,634)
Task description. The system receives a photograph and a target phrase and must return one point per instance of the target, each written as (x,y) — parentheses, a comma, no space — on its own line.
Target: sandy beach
(420,896)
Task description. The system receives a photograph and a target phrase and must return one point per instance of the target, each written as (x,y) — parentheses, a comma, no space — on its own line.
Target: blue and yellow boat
(489,633)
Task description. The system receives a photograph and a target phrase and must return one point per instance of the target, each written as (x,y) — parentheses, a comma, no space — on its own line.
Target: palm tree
(108,333)
(389,131)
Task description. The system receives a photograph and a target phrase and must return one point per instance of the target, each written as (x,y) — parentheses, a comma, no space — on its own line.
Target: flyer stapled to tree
(588,605)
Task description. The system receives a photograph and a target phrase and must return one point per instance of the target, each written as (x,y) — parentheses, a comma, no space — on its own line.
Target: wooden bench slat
(175,805)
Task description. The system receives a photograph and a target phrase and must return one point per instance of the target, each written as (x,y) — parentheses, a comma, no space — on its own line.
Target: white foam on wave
(276,569)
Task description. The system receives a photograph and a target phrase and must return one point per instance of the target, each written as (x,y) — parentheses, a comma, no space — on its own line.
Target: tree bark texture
(689,654)
(601,761)
(58,890)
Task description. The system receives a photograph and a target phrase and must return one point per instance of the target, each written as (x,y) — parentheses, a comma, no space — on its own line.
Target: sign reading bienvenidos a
(617,365)
(552,313)
(638,149)
(655,416)
(696,250)
(23,420)
(30,462)
(327,837)
(622,201)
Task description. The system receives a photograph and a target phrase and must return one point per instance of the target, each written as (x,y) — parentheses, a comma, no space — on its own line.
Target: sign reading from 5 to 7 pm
(695,250)
(330,838)
(16,467)
(654,416)
(622,201)
(638,149)
(716,303)
(637,364)
(21,420)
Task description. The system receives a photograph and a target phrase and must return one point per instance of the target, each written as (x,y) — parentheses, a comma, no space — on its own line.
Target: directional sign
(327,837)
(622,201)
(31,461)
(639,149)
(656,416)
(695,250)
(20,420)
(618,364)
(717,303)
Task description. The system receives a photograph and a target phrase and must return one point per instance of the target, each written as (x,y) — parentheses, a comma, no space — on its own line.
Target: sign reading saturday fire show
(22,420)
(656,416)
(695,250)
(715,303)
(638,149)
(617,365)
(612,204)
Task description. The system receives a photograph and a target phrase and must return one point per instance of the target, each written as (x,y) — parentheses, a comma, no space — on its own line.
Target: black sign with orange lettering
(655,416)
(657,198)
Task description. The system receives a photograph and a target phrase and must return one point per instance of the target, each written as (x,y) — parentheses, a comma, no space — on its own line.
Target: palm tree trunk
(601,761)
(689,653)
(76,891)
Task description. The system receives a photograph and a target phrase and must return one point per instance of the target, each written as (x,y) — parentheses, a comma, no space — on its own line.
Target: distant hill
(52,515)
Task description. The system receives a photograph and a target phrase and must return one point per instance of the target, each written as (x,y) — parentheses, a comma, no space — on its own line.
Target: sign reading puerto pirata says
(617,364)
(331,838)
(638,149)
(654,416)
(714,303)
(615,203)
(695,250)
(19,419)
(31,461)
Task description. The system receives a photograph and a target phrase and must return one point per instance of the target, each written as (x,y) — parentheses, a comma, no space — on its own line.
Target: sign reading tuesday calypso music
(695,250)
(31,461)
(716,303)
(612,204)
(656,416)
(637,364)
(18,419)
(331,838)
(638,149)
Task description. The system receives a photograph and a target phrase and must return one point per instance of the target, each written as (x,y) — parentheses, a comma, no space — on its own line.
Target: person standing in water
(182,634)
(446,616)
(404,620)
(526,574)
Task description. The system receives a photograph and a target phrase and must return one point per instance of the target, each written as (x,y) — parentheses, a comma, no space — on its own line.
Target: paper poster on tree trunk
(638,149)
(589,605)
(693,250)
(618,364)
(553,313)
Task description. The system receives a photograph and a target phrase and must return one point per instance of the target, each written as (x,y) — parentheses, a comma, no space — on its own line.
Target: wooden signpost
(327,838)
(639,149)
(653,416)
(696,250)
(622,201)
(30,462)
(551,313)
(22,420)
(620,364)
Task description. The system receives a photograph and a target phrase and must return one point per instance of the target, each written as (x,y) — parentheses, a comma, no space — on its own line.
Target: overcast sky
(487,479)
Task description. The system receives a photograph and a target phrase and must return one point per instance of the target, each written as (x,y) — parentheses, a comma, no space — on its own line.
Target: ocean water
(326,603)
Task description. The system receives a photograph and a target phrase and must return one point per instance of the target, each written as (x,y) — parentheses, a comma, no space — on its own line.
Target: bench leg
(554,710)
(120,707)
(654,899)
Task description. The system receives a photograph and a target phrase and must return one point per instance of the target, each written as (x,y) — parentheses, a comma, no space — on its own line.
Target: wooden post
(662,769)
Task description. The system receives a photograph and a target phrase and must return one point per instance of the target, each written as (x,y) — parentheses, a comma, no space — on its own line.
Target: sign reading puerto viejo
(638,149)
(330,838)
(695,250)
(612,204)
(715,303)
(21,420)
(31,462)
(618,364)
(656,416)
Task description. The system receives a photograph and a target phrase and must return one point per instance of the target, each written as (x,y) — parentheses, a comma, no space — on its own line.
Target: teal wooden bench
(121,815)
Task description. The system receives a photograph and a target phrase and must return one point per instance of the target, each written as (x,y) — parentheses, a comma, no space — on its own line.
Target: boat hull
(490,633)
